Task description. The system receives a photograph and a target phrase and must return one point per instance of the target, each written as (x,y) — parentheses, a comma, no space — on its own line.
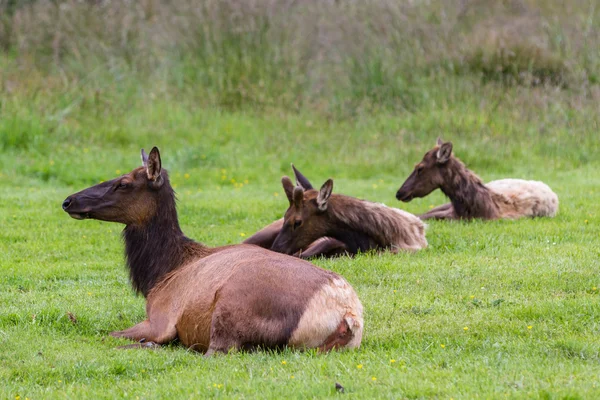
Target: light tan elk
(469,196)
(215,299)
(344,224)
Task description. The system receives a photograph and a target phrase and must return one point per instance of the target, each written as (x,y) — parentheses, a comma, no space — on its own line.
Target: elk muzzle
(70,206)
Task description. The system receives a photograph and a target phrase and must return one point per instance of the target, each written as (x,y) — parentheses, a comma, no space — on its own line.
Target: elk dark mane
(159,246)
(469,196)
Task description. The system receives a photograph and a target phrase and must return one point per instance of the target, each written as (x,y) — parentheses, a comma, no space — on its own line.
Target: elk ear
(444,153)
(288,188)
(324,194)
(301,180)
(154,167)
(144,158)
(298,197)
(439,141)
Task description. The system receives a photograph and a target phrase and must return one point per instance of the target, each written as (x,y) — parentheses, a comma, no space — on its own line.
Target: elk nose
(66,203)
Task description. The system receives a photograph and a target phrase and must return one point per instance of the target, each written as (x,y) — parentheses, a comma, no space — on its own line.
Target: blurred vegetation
(337,57)
(520,74)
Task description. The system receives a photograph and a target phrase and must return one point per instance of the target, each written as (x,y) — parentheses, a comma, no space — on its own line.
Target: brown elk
(469,196)
(322,247)
(344,224)
(215,299)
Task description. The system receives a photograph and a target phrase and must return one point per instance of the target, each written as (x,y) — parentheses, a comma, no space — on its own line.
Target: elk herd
(263,293)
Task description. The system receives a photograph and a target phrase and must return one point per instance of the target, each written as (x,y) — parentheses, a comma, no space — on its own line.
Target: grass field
(489,310)
(506,308)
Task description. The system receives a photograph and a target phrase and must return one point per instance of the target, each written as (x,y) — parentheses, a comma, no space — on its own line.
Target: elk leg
(326,246)
(149,332)
(266,236)
(221,338)
(445,211)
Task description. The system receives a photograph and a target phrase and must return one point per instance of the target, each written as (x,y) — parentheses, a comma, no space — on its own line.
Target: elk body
(216,299)
(334,223)
(469,196)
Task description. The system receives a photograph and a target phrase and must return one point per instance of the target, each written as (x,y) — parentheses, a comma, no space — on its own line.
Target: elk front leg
(266,236)
(326,247)
(445,211)
(148,333)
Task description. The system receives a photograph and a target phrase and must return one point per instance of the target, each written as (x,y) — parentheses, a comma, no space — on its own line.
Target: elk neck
(469,196)
(158,247)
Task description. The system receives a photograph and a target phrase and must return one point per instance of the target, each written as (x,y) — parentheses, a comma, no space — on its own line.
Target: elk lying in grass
(343,224)
(470,198)
(215,299)
(323,247)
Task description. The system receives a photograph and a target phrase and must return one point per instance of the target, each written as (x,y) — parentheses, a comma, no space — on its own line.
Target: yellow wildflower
(466,328)
(359,366)
(284,362)
(443,346)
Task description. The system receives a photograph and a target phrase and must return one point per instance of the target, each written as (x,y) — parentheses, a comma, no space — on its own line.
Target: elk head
(306,219)
(131,199)
(428,174)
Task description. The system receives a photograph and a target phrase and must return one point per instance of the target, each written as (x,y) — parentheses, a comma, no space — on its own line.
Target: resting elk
(215,299)
(344,224)
(322,247)
(469,197)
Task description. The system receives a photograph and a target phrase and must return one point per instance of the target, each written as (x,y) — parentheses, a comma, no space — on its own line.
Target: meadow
(502,309)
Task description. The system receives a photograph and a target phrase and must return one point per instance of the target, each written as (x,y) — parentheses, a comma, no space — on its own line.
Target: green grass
(526,290)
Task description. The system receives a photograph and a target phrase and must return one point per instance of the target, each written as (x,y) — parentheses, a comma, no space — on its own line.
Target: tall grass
(332,56)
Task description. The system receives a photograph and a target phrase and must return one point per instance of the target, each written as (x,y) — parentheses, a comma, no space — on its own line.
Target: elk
(323,247)
(469,196)
(336,224)
(215,299)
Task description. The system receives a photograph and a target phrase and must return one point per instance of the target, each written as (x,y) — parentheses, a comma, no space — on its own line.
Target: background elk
(344,224)
(215,299)
(322,247)
(470,198)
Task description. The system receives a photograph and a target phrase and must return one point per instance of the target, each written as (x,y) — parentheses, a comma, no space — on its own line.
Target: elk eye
(297,224)
(419,169)
(123,185)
